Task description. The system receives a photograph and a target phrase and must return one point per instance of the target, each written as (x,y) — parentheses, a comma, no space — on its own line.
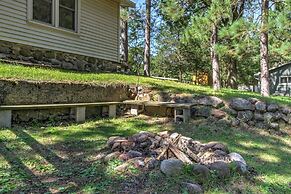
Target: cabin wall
(98,35)
(277,87)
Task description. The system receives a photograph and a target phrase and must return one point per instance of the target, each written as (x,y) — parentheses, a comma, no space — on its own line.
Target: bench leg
(80,114)
(186,115)
(5,118)
(134,110)
(112,111)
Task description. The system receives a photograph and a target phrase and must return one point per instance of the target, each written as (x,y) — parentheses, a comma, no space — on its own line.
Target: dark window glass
(289,80)
(42,11)
(284,80)
(67,14)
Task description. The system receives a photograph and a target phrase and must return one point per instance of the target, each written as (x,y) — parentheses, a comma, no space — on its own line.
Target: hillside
(18,72)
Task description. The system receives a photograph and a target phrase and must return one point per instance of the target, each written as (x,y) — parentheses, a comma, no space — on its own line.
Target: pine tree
(147,50)
(265,85)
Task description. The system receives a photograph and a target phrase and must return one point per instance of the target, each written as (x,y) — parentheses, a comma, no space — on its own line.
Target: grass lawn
(65,159)
(40,74)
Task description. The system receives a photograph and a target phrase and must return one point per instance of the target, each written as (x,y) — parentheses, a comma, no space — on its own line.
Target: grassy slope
(64,159)
(32,73)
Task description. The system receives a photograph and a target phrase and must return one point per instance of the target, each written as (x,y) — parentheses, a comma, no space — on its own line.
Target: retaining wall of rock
(25,54)
(237,112)
(13,92)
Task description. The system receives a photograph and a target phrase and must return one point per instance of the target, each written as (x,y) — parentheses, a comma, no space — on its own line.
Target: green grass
(65,159)
(40,74)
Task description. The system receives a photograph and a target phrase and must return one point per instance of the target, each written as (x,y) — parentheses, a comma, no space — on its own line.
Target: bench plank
(54,106)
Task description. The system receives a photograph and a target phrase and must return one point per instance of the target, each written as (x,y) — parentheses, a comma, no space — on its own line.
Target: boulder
(134,154)
(219,114)
(245,116)
(235,122)
(241,104)
(171,167)
(261,106)
(211,101)
(275,126)
(202,111)
(152,164)
(221,168)
(286,110)
(216,146)
(241,168)
(269,117)
(258,117)
(192,188)
(201,171)
(273,107)
(237,157)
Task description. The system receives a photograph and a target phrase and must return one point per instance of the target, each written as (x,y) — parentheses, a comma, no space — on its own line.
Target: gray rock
(260,125)
(218,113)
(202,111)
(253,100)
(192,188)
(274,126)
(240,167)
(235,123)
(285,110)
(201,171)
(241,104)
(55,62)
(152,164)
(259,117)
(237,157)
(171,167)
(221,168)
(211,101)
(67,65)
(261,106)
(245,116)
(269,117)
(134,154)
(216,146)
(273,107)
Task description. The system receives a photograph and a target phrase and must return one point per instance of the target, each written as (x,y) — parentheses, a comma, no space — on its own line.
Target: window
(58,13)
(42,11)
(67,14)
(285,80)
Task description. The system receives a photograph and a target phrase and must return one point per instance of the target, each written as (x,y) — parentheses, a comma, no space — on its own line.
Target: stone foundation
(49,58)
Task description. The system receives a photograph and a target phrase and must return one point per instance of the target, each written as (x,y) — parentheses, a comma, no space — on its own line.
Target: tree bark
(265,84)
(124,40)
(214,59)
(147,50)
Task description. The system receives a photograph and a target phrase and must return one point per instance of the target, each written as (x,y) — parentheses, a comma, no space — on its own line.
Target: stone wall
(25,54)
(14,92)
(238,112)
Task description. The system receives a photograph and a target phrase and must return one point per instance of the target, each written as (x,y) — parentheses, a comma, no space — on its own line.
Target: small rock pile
(170,152)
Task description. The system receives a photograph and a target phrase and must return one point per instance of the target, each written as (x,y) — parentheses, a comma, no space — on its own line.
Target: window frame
(288,78)
(55,17)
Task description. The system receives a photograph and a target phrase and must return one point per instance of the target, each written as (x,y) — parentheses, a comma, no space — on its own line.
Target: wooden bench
(182,111)
(79,110)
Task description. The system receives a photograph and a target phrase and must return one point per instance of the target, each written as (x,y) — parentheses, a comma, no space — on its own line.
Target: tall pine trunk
(147,50)
(265,85)
(124,39)
(214,59)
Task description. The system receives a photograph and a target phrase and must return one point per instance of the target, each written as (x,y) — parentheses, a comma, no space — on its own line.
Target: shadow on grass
(74,153)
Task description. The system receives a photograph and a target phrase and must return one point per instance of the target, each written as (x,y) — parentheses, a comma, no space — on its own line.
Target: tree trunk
(214,59)
(232,74)
(265,85)
(124,40)
(147,50)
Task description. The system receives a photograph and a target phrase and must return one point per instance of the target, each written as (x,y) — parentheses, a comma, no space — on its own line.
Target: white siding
(98,36)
